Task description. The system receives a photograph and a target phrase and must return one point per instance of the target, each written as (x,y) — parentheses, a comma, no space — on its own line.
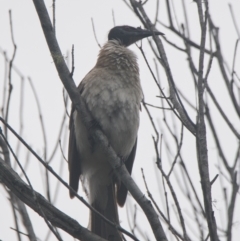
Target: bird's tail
(98,225)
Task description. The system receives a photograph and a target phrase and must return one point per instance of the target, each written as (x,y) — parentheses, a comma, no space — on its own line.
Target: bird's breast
(113,98)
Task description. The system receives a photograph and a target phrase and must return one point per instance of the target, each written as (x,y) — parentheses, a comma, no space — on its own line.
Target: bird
(112,93)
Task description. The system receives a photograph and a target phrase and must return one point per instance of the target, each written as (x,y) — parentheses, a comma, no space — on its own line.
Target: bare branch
(14,200)
(49,168)
(175,99)
(30,197)
(201,130)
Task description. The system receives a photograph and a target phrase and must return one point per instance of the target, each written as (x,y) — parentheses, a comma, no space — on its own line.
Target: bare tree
(179,116)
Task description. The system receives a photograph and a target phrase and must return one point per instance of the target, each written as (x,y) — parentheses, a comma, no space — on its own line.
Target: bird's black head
(128,35)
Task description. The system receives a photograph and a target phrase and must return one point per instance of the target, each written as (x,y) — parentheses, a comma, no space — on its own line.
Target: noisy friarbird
(112,93)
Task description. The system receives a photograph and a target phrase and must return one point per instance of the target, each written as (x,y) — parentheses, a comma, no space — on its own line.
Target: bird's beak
(137,34)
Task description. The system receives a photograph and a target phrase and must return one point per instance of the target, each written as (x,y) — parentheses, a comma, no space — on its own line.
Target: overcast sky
(74,26)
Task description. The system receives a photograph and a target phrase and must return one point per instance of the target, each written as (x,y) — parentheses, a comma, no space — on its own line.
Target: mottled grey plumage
(112,93)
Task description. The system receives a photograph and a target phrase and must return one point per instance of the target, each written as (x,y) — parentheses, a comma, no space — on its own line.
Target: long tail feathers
(99,226)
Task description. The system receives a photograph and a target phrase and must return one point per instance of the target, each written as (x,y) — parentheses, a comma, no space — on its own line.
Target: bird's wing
(121,189)
(74,160)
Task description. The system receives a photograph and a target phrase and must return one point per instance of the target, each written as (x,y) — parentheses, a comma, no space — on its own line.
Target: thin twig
(54,15)
(179,146)
(157,107)
(10,86)
(94,32)
(172,229)
(44,136)
(73,67)
(234,19)
(113,18)
(21,108)
(214,179)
